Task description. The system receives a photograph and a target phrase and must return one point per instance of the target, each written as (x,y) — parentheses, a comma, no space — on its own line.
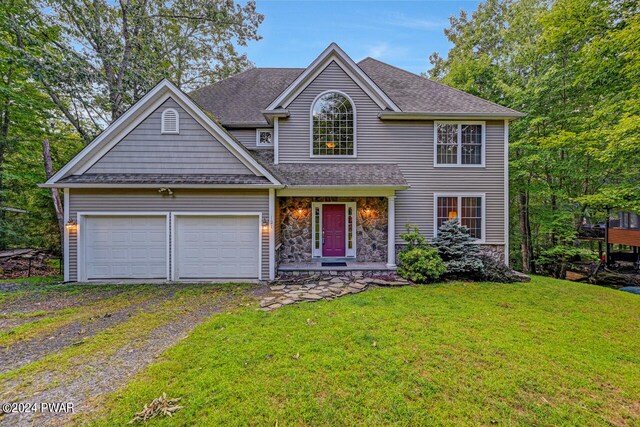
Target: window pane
(317,230)
(447,209)
(471,144)
(469,212)
(265,138)
(447,144)
(447,154)
(333,126)
(471,215)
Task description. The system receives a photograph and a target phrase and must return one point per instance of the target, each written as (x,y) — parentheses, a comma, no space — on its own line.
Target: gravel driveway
(72,343)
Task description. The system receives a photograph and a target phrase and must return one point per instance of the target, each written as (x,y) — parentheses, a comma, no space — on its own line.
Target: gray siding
(247,137)
(122,200)
(410,145)
(146,150)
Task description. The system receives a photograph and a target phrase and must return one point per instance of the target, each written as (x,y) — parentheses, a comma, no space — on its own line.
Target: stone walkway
(310,289)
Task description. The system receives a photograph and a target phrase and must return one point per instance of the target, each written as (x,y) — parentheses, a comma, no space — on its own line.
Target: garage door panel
(120,247)
(216,247)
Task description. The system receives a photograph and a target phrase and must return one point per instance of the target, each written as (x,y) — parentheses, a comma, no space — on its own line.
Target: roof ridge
(395,67)
(277,68)
(438,83)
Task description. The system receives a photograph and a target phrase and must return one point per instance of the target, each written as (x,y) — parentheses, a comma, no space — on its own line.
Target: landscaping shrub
(458,250)
(414,238)
(419,262)
(421,265)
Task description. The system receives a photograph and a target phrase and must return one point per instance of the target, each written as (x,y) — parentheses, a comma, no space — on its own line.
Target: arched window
(170,121)
(333,125)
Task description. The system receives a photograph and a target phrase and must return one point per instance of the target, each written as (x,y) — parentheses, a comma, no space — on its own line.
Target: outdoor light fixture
(368,212)
(265,224)
(71,225)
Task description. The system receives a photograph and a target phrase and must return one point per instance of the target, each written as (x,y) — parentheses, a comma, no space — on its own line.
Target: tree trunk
(4,145)
(526,247)
(55,193)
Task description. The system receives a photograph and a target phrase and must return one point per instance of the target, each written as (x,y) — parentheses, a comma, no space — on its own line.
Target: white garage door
(125,247)
(216,247)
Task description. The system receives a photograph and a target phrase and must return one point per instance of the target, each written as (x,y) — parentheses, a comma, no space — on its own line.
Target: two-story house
(284,170)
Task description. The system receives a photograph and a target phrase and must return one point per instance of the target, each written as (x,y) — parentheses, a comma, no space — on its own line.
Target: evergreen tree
(458,250)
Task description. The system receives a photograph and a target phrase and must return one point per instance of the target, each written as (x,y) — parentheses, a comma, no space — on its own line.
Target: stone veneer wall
(494,251)
(295,227)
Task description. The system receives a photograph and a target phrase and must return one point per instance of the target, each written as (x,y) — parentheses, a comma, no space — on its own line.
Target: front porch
(336,235)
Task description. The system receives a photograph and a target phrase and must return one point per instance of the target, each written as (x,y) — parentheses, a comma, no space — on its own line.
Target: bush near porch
(548,352)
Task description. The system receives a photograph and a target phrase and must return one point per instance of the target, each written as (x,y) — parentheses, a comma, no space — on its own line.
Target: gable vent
(170,121)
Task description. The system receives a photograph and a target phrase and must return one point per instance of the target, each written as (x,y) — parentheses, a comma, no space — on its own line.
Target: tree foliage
(574,67)
(68,68)
(96,58)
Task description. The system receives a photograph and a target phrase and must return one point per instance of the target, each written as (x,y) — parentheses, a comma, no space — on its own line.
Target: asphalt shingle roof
(240,99)
(414,93)
(333,174)
(168,179)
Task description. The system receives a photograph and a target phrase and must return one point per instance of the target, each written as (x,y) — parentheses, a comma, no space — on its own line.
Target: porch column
(272,234)
(391,230)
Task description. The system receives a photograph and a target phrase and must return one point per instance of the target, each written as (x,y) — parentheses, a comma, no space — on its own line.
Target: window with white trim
(459,143)
(468,209)
(333,126)
(264,138)
(170,121)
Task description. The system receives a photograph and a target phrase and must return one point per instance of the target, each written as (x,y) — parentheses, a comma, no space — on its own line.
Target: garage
(216,247)
(125,247)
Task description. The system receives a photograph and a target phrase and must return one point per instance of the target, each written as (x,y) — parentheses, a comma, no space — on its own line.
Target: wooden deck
(620,236)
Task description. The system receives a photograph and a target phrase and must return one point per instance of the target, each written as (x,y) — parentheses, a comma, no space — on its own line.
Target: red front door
(333,229)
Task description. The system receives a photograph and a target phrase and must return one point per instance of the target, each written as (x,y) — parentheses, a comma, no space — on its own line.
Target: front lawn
(548,352)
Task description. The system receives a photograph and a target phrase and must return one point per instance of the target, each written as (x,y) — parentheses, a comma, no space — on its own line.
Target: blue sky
(402,33)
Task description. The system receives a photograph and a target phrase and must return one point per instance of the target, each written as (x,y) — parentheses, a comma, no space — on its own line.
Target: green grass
(34,280)
(548,352)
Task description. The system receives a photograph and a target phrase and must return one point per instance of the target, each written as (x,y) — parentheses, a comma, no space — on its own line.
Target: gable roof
(333,53)
(138,112)
(239,101)
(414,93)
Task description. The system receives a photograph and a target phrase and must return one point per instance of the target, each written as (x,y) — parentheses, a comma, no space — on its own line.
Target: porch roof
(370,175)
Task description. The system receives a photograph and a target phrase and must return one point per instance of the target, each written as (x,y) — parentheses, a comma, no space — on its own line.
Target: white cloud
(379,50)
(385,51)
